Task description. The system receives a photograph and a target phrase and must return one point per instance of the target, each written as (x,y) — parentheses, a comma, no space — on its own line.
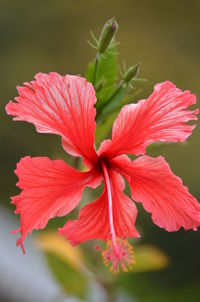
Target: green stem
(97,59)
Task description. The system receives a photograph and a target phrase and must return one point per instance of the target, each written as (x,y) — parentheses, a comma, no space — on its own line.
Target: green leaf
(104,94)
(103,130)
(149,258)
(109,115)
(71,281)
(114,104)
(112,108)
(51,242)
(107,72)
(108,67)
(66,263)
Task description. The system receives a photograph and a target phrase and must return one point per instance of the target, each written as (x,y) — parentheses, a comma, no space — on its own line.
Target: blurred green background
(165,36)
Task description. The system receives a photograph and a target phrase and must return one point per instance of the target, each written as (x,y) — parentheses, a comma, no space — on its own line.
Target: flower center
(124,259)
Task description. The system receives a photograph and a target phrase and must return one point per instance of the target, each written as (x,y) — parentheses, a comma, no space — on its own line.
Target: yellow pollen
(118,256)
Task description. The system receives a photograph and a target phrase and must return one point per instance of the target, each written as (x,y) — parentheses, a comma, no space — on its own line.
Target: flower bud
(107,35)
(131,73)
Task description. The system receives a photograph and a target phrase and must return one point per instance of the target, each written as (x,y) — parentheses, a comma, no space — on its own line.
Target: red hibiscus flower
(64,105)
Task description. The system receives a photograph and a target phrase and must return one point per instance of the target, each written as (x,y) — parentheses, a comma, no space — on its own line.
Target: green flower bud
(131,73)
(107,35)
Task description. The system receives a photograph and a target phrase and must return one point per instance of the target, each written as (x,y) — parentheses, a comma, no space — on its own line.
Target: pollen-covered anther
(118,256)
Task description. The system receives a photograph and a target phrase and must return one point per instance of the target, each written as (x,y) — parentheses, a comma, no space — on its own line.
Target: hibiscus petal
(49,189)
(62,105)
(160,118)
(160,191)
(93,221)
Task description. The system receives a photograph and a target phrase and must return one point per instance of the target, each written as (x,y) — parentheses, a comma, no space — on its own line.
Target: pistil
(110,206)
(118,253)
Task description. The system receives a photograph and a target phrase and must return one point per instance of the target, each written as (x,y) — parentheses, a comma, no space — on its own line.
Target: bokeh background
(51,36)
